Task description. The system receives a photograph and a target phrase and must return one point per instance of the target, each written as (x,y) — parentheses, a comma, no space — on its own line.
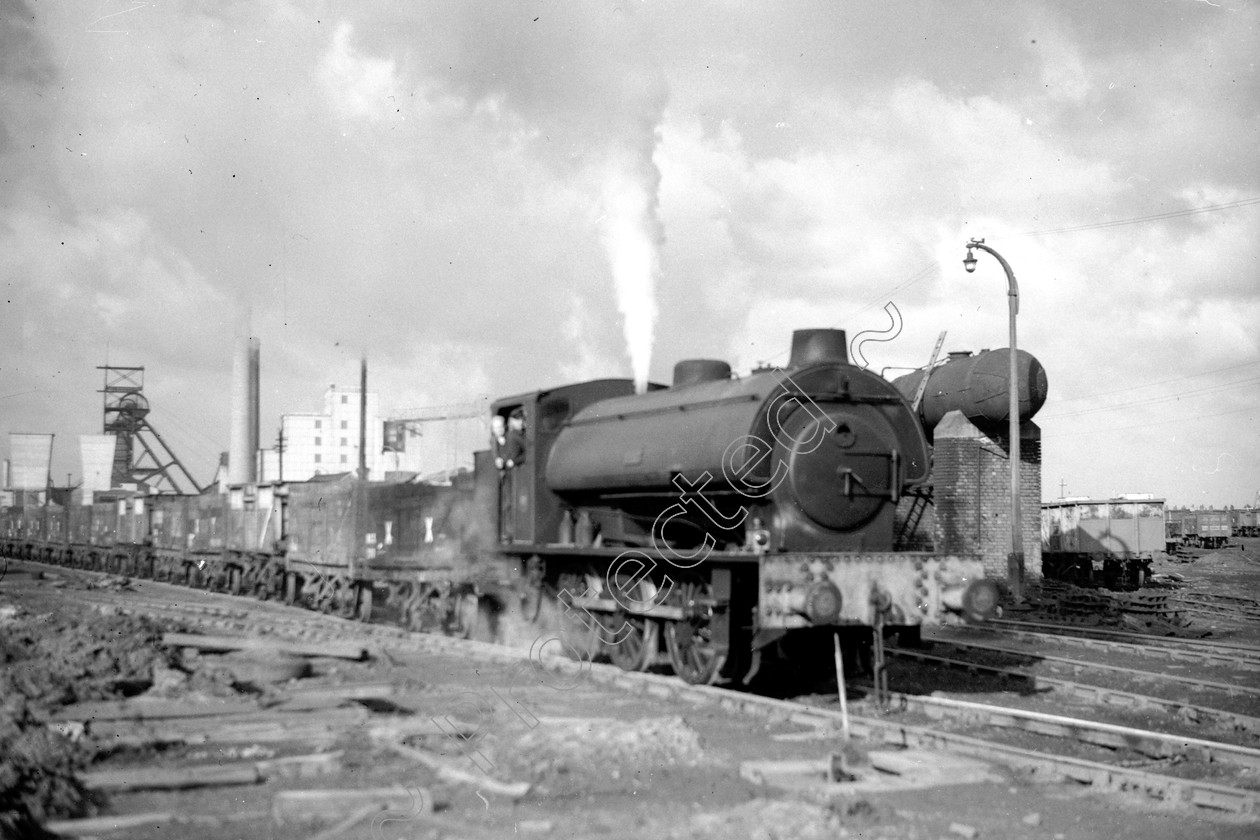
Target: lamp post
(1014,560)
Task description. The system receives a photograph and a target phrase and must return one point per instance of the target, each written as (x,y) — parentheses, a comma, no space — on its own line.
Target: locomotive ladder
(927,373)
(922,498)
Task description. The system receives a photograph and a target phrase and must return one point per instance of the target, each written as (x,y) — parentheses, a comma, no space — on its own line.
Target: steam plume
(633,236)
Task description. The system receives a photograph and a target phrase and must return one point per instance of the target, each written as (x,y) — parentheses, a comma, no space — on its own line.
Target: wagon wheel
(258,578)
(636,651)
(425,608)
(345,599)
(407,597)
(291,588)
(692,651)
(321,595)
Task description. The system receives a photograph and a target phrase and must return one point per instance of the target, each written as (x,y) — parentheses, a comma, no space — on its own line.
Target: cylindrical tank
(976,385)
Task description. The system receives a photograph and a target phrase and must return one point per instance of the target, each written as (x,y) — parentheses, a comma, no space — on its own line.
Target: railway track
(1237,656)
(1218,605)
(1103,695)
(1194,681)
(1052,760)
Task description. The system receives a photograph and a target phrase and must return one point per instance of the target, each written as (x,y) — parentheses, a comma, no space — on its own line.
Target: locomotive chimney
(695,371)
(813,347)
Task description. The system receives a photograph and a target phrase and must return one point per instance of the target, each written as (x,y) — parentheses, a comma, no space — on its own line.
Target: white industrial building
(327,442)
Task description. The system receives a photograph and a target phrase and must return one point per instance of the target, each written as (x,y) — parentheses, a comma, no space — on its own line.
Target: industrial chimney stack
(243,446)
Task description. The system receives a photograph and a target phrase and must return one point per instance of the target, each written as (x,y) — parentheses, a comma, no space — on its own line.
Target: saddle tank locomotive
(717,516)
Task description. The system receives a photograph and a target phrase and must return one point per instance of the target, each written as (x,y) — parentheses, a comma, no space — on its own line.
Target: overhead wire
(1091,432)
(1135,220)
(1153,400)
(1159,382)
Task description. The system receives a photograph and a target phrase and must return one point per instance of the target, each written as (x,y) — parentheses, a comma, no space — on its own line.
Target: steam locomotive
(712,520)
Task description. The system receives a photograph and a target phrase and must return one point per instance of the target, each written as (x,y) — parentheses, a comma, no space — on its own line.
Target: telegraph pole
(280,449)
(363,473)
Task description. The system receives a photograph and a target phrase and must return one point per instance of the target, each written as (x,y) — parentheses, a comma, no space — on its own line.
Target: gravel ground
(599,763)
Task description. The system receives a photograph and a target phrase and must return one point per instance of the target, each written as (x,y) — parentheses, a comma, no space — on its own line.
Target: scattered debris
(447,771)
(894,770)
(226,643)
(47,661)
(767,819)
(963,830)
(304,807)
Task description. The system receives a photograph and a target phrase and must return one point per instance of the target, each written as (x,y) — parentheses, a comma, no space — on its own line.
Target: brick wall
(972,481)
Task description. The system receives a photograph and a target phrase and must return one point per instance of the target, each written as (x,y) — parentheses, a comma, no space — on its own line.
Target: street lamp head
(969,262)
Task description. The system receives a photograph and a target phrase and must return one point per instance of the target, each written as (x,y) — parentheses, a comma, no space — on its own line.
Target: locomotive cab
(528,512)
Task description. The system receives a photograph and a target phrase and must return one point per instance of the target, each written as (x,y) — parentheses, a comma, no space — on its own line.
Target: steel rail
(1230,659)
(1100,694)
(1150,743)
(1228,688)
(1066,631)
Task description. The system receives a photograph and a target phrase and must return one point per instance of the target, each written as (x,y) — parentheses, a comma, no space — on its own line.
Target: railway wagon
(1200,528)
(1109,542)
(1248,524)
(418,543)
(1207,528)
(252,533)
(32,532)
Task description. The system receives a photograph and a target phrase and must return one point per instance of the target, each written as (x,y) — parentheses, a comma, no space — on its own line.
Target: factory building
(327,442)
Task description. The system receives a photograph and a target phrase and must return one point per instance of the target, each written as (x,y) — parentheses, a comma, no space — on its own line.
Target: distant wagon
(1109,542)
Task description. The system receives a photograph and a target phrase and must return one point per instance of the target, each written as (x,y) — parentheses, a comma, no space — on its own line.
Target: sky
(487,198)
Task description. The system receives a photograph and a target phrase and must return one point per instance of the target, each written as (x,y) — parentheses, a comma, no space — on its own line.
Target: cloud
(425,185)
(358,86)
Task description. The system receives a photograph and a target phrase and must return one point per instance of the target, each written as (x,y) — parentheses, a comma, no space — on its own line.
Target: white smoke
(632,235)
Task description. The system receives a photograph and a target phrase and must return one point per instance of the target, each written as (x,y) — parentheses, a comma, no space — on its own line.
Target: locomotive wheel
(638,649)
(692,651)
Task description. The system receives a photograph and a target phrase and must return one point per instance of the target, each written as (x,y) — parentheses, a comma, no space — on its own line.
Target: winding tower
(141,455)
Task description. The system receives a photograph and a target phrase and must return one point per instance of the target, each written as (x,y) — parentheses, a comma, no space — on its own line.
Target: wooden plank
(152,708)
(226,643)
(289,807)
(123,822)
(172,778)
(212,775)
(119,822)
(265,727)
(301,766)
